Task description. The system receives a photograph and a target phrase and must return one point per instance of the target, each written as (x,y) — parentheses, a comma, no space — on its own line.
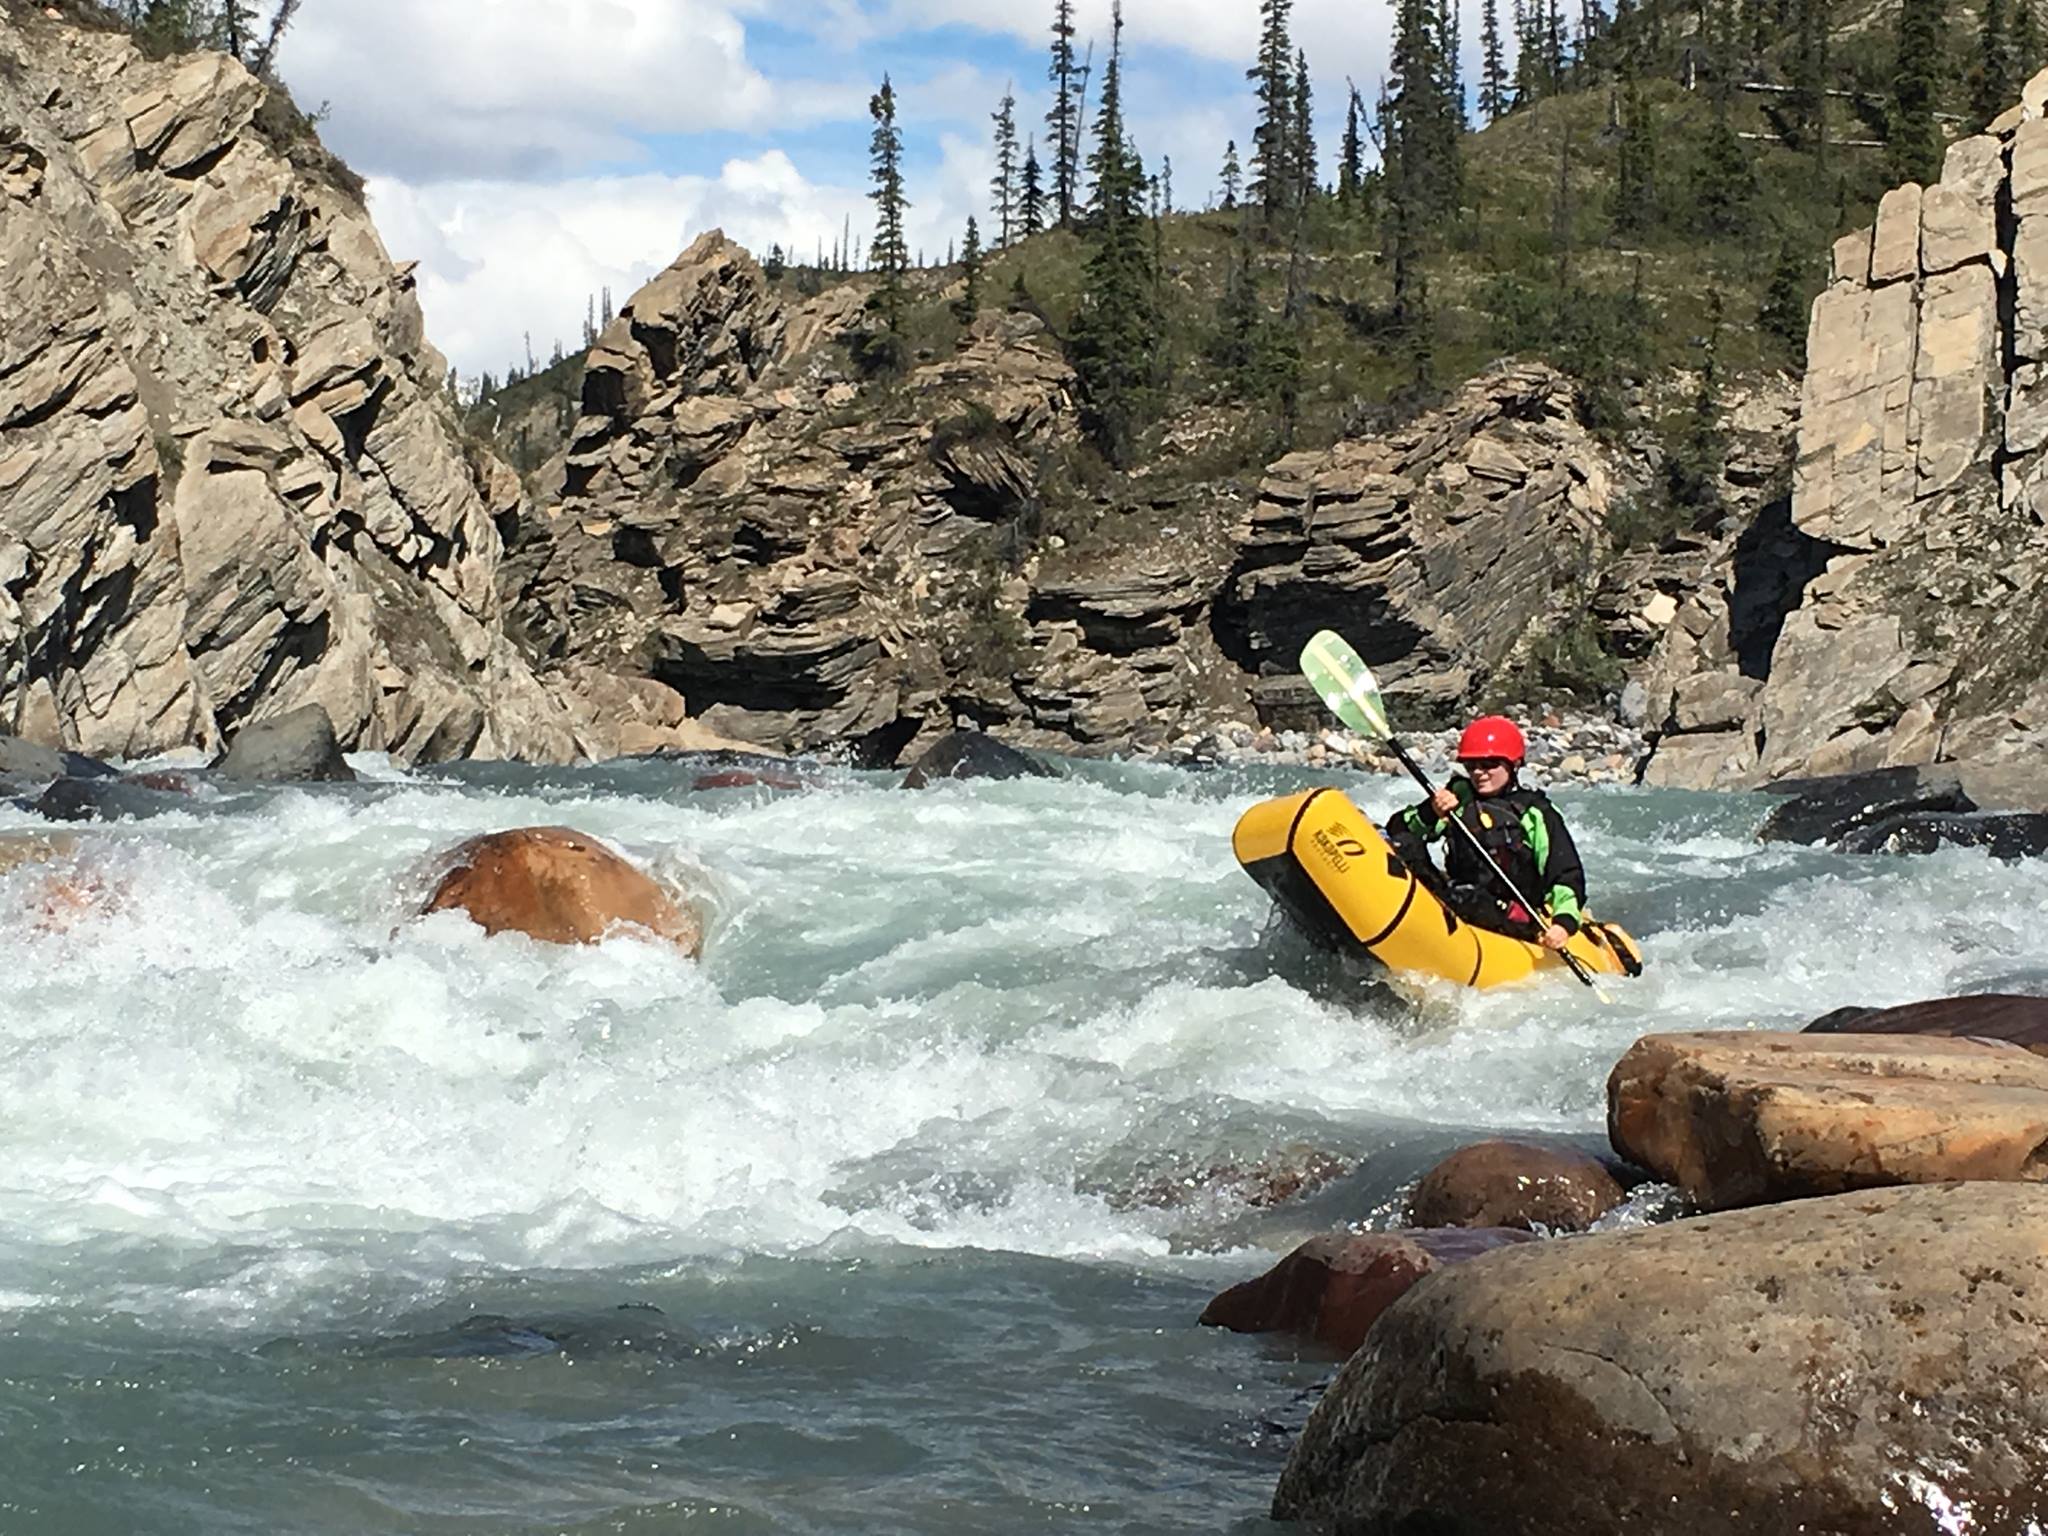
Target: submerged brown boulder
(1332,1289)
(1856,1365)
(1739,1118)
(1515,1184)
(561,887)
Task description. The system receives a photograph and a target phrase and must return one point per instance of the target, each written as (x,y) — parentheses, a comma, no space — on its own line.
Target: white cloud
(499,259)
(523,88)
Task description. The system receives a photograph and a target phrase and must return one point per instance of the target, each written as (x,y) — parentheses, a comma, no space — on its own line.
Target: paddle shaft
(1415,772)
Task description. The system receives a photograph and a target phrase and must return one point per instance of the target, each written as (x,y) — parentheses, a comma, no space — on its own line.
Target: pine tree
(1238,348)
(1783,313)
(888,252)
(1421,157)
(1726,179)
(165,27)
(1493,75)
(1692,466)
(1351,157)
(1531,82)
(1807,105)
(1914,135)
(1448,47)
(1635,198)
(233,27)
(1421,175)
(1233,175)
(1031,192)
(1116,331)
(1993,83)
(968,305)
(266,56)
(1064,120)
(1302,143)
(2026,40)
(1166,184)
(1004,185)
(1274,178)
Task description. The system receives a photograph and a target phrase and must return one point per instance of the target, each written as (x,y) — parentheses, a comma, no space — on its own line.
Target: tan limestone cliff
(229,483)
(1916,619)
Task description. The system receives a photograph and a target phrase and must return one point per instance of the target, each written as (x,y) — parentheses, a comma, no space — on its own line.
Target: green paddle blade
(1346,684)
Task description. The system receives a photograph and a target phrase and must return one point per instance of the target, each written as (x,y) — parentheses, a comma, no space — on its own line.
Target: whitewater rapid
(252,1093)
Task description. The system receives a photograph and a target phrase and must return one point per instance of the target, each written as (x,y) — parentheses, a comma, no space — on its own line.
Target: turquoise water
(894,1214)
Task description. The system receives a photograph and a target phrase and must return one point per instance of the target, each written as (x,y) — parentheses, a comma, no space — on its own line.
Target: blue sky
(529,152)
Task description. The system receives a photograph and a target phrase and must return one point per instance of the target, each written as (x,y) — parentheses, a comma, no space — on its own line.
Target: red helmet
(1493,736)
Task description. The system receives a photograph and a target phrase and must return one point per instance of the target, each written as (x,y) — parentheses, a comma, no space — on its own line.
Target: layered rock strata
(814,558)
(1910,614)
(229,481)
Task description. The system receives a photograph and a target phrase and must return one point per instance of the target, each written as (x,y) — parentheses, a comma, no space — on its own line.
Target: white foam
(251,1088)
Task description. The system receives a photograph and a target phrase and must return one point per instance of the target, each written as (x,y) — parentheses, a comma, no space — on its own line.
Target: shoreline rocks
(1821,1366)
(1738,1118)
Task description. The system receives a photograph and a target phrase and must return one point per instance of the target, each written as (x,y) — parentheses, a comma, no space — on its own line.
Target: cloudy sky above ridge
(531,152)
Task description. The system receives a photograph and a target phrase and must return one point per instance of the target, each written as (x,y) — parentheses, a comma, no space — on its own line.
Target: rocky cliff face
(229,484)
(811,558)
(1896,613)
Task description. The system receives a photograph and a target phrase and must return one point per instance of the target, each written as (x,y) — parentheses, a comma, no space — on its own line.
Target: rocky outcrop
(1738,1118)
(561,887)
(1906,620)
(1333,1289)
(1870,1363)
(794,567)
(813,558)
(1514,1184)
(1431,548)
(229,482)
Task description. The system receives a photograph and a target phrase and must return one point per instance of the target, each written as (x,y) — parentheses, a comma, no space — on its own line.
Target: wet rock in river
(2021,1021)
(1332,1289)
(2003,835)
(1740,1118)
(134,799)
(1856,1364)
(1828,810)
(561,887)
(972,755)
(295,748)
(1515,1184)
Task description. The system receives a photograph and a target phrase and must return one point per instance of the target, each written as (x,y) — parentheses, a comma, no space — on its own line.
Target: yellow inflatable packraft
(1335,874)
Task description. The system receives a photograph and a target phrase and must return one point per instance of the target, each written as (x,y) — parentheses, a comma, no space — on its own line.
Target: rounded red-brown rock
(1332,1289)
(1515,1184)
(561,887)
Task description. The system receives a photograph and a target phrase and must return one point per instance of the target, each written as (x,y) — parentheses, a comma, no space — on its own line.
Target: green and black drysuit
(1527,838)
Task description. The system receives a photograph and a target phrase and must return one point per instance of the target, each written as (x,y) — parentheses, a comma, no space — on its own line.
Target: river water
(895,1214)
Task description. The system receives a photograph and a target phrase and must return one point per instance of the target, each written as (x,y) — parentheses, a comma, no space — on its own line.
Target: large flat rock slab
(1864,1364)
(1741,1118)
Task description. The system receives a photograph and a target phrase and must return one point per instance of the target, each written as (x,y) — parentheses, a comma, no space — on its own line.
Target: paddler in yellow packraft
(1517,825)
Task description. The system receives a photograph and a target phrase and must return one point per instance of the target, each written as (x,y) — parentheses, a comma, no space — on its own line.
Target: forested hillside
(1644,197)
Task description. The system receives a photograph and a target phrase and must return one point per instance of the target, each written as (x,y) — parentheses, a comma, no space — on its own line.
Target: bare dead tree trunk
(266,56)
